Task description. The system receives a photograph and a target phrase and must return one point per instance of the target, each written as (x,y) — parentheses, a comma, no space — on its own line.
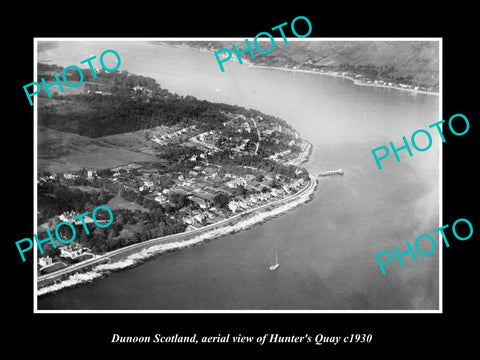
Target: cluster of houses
(206,140)
(242,146)
(196,219)
(280,155)
(361,78)
(179,135)
(143,90)
(203,189)
(91,174)
(69,215)
(188,137)
(71,253)
(46,265)
(243,124)
(76,252)
(208,215)
(97,92)
(202,186)
(364,80)
(239,204)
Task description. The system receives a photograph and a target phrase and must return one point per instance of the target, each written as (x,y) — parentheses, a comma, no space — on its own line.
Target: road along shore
(131,255)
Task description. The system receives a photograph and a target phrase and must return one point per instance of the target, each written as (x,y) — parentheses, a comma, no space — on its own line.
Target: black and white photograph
(238,184)
(214,178)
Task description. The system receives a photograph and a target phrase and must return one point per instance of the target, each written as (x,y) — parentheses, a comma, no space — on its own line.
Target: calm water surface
(326,247)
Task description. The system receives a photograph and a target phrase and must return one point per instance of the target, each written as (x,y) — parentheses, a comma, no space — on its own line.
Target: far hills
(410,62)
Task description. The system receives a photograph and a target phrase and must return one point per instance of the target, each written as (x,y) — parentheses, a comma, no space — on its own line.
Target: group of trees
(153,224)
(175,152)
(179,200)
(116,82)
(55,199)
(95,115)
(268,145)
(235,164)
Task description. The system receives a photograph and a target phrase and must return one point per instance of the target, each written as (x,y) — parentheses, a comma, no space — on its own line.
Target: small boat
(276,264)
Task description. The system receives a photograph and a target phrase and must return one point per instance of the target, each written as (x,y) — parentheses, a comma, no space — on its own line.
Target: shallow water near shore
(326,247)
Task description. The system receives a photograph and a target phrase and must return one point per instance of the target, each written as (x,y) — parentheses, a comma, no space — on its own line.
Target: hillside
(60,152)
(412,62)
(129,103)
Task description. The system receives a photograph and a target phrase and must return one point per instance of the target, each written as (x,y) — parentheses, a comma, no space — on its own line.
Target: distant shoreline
(356,82)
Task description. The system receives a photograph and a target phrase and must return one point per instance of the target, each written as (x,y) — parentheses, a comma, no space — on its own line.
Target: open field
(118,203)
(64,152)
(138,141)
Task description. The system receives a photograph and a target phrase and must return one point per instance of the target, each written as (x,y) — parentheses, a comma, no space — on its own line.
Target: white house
(188,220)
(232,205)
(67,251)
(45,261)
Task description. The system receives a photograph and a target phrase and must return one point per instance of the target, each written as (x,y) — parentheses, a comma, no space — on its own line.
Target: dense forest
(49,195)
(96,115)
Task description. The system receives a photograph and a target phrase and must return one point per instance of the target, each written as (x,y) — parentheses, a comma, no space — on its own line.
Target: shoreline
(356,82)
(101,266)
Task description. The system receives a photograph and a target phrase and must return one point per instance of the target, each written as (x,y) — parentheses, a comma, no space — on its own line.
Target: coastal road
(302,157)
(170,238)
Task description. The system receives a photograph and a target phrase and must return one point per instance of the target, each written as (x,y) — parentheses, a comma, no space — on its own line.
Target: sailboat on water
(276,264)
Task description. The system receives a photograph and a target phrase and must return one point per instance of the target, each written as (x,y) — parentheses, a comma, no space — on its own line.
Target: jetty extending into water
(330,173)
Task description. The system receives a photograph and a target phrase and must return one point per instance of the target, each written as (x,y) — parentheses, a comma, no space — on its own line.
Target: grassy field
(64,152)
(119,203)
(138,141)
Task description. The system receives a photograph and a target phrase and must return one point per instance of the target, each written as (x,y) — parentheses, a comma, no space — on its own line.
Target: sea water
(326,248)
